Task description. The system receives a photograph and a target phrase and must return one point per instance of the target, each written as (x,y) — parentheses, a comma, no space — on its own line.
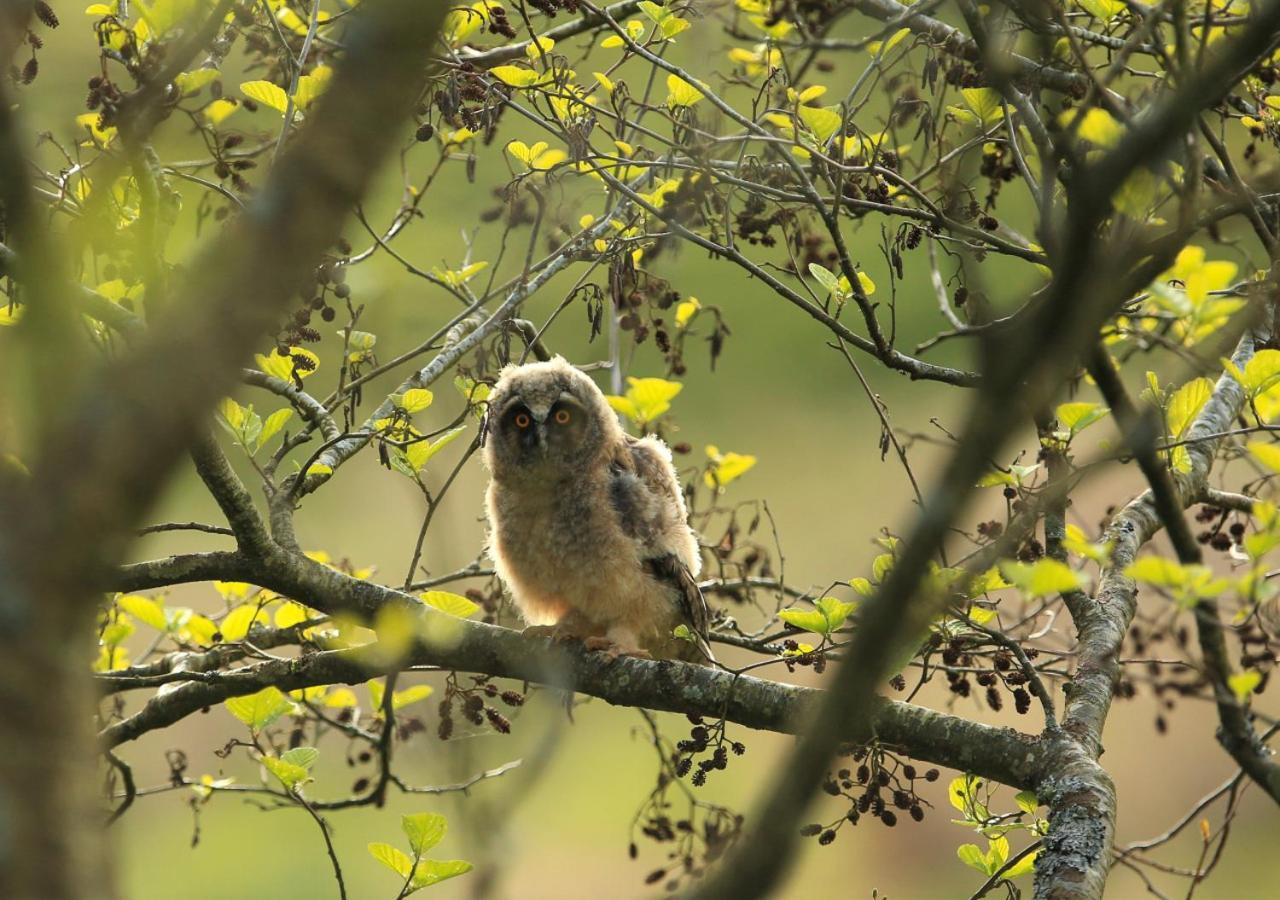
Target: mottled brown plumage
(587,525)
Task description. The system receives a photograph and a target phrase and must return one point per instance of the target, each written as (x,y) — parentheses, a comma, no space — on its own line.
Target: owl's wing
(646,495)
(693,606)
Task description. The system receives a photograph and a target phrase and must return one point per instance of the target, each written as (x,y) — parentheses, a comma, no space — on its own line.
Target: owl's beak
(540,428)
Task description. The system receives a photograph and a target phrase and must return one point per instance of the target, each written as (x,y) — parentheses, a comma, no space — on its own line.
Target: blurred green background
(561,829)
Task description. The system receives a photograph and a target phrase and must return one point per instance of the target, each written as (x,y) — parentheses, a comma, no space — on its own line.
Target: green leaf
(1243,683)
(1260,373)
(825,277)
(1024,866)
(881,565)
(1266,453)
(144,609)
(997,853)
(806,620)
(287,774)
(1102,9)
(681,92)
(416,400)
(829,615)
(986,103)
(424,831)
(646,399)
(1042,578)
(973,857)
(1079,416)
(189,83)
(376,692)
(236,624)
(835,610)
(421,452)
(434,871)
(301,756)
(393,858)
(261,709)
(1189,583)
(1158,571)
(989,580)
(995,478)
(961,792)
(1186,403)
(516,76)
(653,10)
(1027,801)
(450,603)
(822,121)
(726,467)
(401,699)
(272,426)
(267,94)
(1098,127)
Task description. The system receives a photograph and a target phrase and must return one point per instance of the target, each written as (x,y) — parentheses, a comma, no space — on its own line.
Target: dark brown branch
(231,495)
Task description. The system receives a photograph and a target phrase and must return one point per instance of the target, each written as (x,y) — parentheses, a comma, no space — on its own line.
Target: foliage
(1077,194)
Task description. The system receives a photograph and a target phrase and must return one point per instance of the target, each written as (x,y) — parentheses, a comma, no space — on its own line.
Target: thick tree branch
(231,495)
(1000,754)
(1077,851)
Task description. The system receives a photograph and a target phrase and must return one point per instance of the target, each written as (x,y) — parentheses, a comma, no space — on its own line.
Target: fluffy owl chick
(587,525)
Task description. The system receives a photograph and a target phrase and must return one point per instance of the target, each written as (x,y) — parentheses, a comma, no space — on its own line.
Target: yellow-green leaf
(1266,453)
(1243,683)
(434,871)
(401,699)
(1043,577)
(272,425)
(1260,372)
(516,76)
(450,603)
(261,709)
(236,624)
(189,83)
(144,609)
(416,400)
(393,858)
(686,310)
(986,104)
(1079,416)
(1186,403)
(424,831)
(822,121)
(267,94)
(288,775)
(419,453)
(646,399)
(726,467)
(681,92)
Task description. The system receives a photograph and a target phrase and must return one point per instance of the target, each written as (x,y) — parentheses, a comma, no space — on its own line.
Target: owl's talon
(613,649)
(552,634)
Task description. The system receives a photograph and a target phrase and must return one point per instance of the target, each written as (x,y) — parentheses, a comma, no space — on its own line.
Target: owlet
(587,525)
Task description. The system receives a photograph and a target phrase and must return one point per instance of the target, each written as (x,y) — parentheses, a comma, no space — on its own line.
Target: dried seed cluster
(879,786)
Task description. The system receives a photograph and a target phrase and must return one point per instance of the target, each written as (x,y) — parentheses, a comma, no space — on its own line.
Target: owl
(587,525)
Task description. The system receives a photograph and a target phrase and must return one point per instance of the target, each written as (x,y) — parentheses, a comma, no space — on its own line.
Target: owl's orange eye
(522,420)
(562,417)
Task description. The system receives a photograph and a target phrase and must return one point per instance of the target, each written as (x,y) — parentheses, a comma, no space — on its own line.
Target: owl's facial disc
(546,431)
